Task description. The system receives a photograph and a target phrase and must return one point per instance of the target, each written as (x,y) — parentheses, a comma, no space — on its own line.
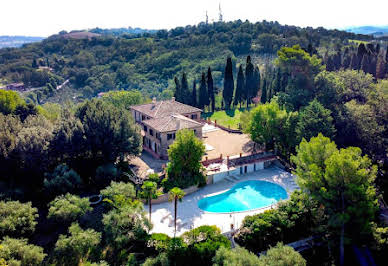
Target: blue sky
(46,17)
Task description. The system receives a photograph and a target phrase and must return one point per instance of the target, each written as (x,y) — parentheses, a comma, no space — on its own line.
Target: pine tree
(365,63)
(210,89)
(249,80)
(227,93)
(381,68)
(203,96)
(177,93)
(238,96)
(194,101)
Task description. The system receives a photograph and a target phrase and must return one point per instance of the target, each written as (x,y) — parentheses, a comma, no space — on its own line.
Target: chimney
(178,123)
(172,99)
(154,100)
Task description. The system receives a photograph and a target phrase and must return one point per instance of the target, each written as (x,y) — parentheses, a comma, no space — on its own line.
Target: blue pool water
(244,196)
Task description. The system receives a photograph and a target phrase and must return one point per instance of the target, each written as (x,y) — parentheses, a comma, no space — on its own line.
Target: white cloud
(45,17)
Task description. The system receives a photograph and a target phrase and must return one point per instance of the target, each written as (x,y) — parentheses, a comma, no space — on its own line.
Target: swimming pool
(244,196)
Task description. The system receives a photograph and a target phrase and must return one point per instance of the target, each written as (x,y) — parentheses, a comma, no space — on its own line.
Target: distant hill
(369,30)
(17,41)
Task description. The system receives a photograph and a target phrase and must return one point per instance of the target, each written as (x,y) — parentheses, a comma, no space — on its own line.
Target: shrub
(61,180)
(234,257)
(19,252)
(77,246)
(106,173)
(119,188)
(17,219)
(281,255)
(68,208)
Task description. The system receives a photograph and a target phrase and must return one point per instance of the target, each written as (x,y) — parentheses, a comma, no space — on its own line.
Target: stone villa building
(160,120)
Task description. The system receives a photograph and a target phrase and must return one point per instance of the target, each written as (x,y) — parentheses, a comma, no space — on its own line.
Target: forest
(316,97)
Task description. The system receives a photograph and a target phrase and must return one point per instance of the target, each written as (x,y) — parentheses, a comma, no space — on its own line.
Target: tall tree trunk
(342,250)
(175,211)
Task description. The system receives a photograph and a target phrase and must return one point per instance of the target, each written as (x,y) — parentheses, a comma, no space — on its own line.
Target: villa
(160,120)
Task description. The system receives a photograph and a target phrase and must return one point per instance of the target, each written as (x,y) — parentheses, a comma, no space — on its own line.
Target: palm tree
(175,194)
(150,191)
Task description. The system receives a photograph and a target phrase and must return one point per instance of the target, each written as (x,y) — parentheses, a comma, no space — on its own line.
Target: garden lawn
(226,118)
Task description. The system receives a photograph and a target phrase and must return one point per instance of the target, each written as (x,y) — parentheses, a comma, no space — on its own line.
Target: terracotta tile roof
(164,108)
(172,122)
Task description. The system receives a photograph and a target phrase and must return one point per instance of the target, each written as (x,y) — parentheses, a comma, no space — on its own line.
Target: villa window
(171,136)
(151,132)
(142,117)
(145,128)
(158,136)
(194,116)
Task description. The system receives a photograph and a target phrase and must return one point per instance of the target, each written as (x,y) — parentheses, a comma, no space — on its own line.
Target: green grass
(358,42)
(226,118)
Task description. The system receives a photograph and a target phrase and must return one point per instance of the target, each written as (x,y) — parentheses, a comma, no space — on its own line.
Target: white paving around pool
(191,216)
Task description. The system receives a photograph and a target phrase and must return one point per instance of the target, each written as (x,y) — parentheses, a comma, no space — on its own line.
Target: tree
(256,79)
(76,247)
(263,98)
(61,180)
(301,69)
(203,96)
(106,173)
(109,134)
(203,242)
(68,208)
(227,93)
(19,252)
(185,154)
(149,192)
(240,87)
(178,90)
(314,119)
(127,190)
(235,257)
(342,181)
(185,89)
(126,223)
(9,100)
(175,194)
(17,219)
(210,89)
(249,80)
(194,101)
(271,126)
(281,255)
(25,110)
(124,99)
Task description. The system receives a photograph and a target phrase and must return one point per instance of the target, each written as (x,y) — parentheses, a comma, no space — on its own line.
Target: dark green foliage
(256,78)
(240,87)
(185,93)
(25,110)
(203,95)
(294,219)
(61,180)
(281,255)
(227,93)
(106,173)
(17,219)
(314,119)
(194,100)
(109,133)
(210,89)
(178,90)
(263,98)
(249,81)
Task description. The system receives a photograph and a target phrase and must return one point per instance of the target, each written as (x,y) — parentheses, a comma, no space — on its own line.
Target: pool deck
(191,216)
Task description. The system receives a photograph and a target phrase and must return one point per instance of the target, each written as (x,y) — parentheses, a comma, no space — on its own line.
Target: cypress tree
(365,63)
(185,93)
(354,62)
(194,101)
(203,96)
(238,96)
(256,78)
(264,92)
(249,80)
(210,89)
(381,68)
(227,93)
(386,55)
(177,93)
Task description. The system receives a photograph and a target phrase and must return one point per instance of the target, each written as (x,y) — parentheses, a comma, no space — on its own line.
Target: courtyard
(191,216)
